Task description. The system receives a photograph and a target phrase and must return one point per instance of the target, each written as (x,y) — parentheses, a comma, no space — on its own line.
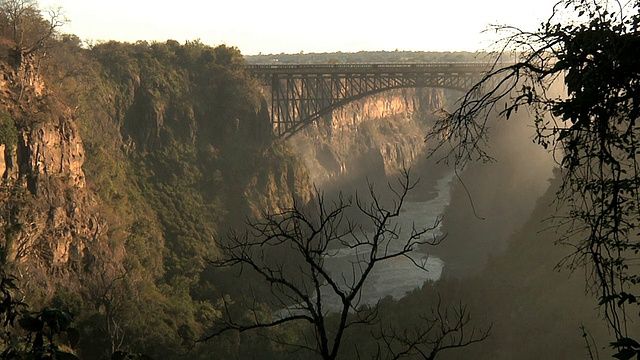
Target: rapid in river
(397,276)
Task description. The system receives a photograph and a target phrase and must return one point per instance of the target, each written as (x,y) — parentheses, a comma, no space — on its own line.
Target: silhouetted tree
(592,129)
(290,250)
(46,334)
(439,329)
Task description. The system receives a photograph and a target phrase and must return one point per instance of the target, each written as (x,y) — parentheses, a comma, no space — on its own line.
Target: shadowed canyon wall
(490,201)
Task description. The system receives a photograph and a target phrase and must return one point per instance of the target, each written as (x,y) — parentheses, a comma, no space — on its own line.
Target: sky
(294,26)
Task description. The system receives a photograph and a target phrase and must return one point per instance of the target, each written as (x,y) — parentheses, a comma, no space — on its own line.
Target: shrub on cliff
(8,131)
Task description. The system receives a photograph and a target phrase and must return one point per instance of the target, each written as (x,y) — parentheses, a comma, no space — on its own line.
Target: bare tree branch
(289,250)
(439,330)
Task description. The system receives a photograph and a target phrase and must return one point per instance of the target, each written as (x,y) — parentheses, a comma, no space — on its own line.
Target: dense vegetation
(183,122)
(175,136)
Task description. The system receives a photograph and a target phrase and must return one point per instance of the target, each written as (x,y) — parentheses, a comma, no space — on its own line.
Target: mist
(490,201)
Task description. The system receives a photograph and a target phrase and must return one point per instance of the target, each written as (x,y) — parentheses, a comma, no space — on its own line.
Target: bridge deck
(374,68)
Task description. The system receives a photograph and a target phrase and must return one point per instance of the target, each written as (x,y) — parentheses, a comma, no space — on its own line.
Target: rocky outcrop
(49,216)
(51,150)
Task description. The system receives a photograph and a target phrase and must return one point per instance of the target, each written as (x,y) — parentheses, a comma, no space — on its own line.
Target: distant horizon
(289,27)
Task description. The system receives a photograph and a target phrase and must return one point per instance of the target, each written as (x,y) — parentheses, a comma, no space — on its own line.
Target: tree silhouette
(439,329)
(590,46)
(290,251)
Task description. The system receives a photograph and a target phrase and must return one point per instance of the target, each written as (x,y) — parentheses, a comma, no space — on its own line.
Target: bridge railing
(365,65)
(373,68)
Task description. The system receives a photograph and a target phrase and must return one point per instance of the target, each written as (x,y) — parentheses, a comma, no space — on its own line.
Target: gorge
(125,165)
(122,169)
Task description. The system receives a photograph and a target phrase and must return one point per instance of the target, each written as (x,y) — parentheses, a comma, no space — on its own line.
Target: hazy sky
(291,26)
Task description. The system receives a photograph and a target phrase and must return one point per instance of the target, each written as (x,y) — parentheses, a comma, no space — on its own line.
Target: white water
(395,277)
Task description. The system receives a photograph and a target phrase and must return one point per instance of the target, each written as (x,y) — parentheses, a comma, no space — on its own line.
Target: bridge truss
(301,94)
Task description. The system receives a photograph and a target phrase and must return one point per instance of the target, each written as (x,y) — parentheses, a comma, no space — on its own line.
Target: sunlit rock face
(369,137)
(53,149)
(49,216)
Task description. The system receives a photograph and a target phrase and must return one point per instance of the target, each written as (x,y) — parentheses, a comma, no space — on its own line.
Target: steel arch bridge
(301,94)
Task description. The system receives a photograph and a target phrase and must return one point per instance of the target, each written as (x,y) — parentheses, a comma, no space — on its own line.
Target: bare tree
(290,250)
(105,291)
(437,330)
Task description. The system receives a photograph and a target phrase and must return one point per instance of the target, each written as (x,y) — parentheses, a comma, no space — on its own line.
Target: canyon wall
(49,216)
(371,138)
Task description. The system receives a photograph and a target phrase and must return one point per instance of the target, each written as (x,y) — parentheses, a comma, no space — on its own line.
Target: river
(395,277)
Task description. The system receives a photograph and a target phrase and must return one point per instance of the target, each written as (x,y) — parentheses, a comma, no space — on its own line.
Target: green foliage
(43,335)
(8,131)
(170,132)
(24,29)
(170,135)
(9,307)
(47,326)
(192,89)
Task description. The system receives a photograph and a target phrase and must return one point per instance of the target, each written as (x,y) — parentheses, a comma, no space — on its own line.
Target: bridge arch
(300,94)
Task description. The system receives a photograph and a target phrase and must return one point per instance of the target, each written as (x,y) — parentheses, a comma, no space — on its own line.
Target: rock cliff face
(377,134)
(49,216)
(52,219)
